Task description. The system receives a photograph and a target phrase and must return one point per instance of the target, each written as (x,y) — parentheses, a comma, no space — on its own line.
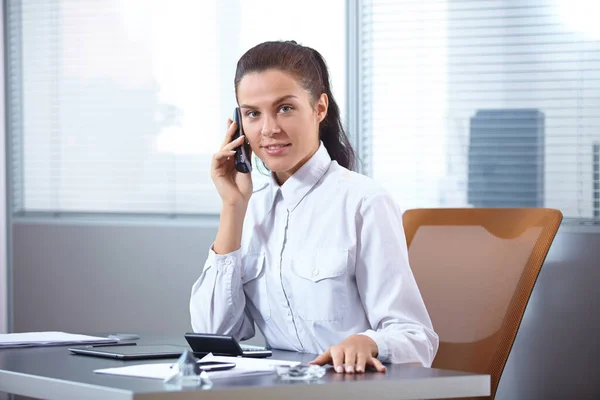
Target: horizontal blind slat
(442,72)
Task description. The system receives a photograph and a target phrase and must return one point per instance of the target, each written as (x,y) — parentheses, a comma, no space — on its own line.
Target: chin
(278,167)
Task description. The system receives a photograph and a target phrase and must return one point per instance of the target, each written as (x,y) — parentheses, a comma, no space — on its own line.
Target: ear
(321,107)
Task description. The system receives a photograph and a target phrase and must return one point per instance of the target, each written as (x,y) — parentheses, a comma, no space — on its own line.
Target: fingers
(223,154)
(350,360)
(221,157)
(377,364)
(229,144)
(236,143)
(323,359)
(338,357)
(361,361)
(231,128)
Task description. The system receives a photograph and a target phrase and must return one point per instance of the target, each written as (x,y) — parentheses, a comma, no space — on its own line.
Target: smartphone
(242,153)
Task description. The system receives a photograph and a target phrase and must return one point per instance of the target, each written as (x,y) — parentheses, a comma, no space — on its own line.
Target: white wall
(3,227)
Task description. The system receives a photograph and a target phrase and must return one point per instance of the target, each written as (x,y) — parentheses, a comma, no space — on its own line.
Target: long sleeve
(218,302)
(400,324)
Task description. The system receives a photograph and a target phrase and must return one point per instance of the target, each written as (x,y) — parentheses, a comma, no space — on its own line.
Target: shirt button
(315,272)
(228,262)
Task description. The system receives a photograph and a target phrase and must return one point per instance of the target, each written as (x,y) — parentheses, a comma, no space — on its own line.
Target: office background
(111,211)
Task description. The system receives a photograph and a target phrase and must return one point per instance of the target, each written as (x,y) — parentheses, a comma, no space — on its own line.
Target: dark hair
(307,65)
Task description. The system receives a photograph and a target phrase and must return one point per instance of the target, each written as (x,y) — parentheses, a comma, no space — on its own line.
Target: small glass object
(300,372)
(187,373)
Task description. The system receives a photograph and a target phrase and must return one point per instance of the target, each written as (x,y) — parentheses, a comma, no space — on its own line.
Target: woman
(317,257)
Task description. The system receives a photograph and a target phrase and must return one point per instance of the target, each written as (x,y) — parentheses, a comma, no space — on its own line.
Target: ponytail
(331,130)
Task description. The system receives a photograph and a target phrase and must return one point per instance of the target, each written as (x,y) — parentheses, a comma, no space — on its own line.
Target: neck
(283,176)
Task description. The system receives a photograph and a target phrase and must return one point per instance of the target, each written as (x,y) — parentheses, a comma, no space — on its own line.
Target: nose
(270,127)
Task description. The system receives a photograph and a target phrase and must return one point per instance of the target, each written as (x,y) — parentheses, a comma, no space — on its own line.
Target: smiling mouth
(277,146)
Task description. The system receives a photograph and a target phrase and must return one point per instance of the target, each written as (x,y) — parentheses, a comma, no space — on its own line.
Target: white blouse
(323,257)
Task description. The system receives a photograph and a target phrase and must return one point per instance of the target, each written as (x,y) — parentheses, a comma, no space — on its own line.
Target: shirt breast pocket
(320,283)
(254,281)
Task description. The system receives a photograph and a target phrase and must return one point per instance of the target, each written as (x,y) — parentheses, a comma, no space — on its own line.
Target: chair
(476,268)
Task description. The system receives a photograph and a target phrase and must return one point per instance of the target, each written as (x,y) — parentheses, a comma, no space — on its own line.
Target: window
(482,103)
(117,106)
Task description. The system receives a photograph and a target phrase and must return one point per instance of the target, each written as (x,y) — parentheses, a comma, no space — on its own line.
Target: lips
(276,149)
(275,146)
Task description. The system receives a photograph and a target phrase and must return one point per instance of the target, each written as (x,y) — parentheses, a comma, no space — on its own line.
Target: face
(280,120)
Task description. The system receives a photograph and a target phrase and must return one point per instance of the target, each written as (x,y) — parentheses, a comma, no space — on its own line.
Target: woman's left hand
(356,352)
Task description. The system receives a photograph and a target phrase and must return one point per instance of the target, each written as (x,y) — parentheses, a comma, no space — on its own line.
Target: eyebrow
(279,100)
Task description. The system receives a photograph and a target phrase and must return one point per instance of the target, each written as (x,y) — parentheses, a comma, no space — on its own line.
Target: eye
(252,114)
(285,109)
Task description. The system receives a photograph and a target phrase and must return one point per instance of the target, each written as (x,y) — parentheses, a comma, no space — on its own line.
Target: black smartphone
(242,153)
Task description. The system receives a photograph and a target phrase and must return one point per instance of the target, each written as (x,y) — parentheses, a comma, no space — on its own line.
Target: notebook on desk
(222,345)
(34,339)
(130,351)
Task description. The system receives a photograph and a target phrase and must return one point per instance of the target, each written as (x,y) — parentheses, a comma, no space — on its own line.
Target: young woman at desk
(316,257)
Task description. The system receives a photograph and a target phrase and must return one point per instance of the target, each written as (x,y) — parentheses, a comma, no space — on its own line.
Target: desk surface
(54,373)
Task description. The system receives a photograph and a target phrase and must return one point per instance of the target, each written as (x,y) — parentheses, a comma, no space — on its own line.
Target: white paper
(152,371)
(27,339)
(244,366)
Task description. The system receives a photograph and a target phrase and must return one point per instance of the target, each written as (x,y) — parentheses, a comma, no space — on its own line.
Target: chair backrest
(476,268)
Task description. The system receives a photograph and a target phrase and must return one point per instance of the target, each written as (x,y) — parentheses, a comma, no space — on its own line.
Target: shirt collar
(302,181)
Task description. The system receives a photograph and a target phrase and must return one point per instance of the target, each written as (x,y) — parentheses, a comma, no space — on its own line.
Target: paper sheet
(244,366)
(30,339)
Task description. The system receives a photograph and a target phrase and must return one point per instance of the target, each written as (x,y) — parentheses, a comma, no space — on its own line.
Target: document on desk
(243,367)
(33,339)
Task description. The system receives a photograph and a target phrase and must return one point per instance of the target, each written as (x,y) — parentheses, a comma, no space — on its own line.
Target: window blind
(487,103)
(116,106)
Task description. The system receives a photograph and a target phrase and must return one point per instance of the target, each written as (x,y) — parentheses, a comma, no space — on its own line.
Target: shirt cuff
(223,262)
(382,349)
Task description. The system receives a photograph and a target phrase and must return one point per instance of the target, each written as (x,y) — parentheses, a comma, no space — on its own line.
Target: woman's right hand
(235,188)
